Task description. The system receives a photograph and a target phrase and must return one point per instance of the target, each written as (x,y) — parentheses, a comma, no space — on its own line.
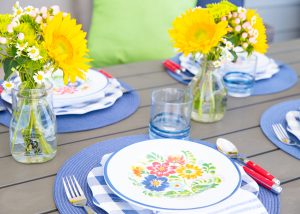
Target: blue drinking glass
(239,76)
(170,114)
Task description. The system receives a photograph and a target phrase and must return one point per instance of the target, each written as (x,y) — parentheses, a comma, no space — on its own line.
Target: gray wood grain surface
(28,188)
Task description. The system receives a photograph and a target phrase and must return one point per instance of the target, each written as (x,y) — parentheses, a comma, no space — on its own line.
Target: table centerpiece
(214,35)
(35,42)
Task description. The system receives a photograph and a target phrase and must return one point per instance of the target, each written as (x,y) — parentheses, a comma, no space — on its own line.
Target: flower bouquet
(214,35)
(34,43)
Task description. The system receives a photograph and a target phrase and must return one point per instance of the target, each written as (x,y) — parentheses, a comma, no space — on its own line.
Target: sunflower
(195,31)
(67,46)
(261,44)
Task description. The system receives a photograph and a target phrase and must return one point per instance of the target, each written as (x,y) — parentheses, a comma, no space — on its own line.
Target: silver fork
(282,135)
(75,194)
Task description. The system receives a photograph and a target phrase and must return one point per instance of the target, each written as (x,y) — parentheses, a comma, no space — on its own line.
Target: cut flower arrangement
(216,34)
(35,42)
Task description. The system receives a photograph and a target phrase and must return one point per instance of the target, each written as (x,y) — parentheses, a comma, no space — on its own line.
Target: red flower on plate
(161,169)
(175,160)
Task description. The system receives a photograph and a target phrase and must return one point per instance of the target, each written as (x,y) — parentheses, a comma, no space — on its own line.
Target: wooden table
(28,188)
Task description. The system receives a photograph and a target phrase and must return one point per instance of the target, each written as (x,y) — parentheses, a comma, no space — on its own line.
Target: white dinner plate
(171,175)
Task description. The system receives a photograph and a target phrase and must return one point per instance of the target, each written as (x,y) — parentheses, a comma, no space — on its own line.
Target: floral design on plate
(173,176)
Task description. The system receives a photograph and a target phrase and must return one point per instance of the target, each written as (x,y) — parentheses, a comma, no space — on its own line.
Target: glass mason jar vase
(33,125)
(209,94)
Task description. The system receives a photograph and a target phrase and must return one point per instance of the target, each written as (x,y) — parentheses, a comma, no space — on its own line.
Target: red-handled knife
(261,171)
(269,184)
(174,68)
(109,76)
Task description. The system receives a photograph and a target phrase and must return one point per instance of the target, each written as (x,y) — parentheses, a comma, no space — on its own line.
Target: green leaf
(190,157)
(155,157)
(171,194)
(8,64)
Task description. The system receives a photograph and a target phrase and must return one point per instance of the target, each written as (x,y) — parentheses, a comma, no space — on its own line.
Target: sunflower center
(200,34)
(63,47)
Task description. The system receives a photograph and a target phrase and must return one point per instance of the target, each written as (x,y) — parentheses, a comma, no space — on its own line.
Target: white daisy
(21,46)
(33,53)
(18,11)
(39,77)
(217,64)
(29,9)
(229,45)
(229,56)
(242,10)
(8,86)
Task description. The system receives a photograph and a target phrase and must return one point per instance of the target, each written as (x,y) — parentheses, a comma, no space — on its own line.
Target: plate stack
(94,93)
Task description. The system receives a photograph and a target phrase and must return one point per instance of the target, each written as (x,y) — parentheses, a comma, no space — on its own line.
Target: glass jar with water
(33,125)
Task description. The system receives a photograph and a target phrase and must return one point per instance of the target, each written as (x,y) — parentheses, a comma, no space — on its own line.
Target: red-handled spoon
(230,150)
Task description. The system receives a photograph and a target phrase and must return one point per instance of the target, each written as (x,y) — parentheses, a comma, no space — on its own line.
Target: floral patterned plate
(169,174)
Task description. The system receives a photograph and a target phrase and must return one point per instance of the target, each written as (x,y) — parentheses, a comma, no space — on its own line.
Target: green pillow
(124,31)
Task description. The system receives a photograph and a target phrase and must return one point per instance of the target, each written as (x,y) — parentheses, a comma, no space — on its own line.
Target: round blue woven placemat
(283,80)
(129,103)
(84,161)
(276,114)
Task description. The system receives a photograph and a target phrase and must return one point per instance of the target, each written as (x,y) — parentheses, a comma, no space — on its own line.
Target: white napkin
(243,201)
(293,123)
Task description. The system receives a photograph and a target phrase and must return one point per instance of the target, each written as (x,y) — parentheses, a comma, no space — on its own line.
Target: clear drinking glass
(33,125)
(239,76)
(170,113)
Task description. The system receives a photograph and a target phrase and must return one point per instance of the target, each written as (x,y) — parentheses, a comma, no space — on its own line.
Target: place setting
(280,123)
(97,97)
(166,171)
(270,76)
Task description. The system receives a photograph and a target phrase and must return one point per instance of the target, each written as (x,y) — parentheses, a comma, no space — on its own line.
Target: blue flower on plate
(155,183)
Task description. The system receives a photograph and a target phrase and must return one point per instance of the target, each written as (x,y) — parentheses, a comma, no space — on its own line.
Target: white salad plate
(171,175)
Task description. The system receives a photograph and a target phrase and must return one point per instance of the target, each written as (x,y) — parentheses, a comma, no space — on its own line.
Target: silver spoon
(229,149)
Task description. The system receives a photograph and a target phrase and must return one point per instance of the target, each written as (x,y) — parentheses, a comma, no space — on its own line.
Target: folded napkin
(244,201)
(266,67)
(293,123)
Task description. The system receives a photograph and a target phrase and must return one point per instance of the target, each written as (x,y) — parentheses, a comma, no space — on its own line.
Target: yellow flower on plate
(261,45)
(67,46)
(189,171)
(195,31)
